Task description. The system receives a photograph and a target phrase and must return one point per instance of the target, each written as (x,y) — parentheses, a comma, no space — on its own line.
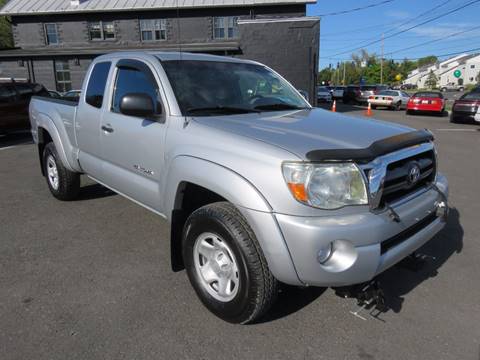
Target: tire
(397,106)
(63,183)
(373,107)
(409,112)
(220,232)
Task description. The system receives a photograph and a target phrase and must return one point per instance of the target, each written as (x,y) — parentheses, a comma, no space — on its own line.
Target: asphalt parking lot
(91,279)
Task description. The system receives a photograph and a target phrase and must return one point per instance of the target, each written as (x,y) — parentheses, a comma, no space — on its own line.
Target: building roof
(39,7)
(73,52)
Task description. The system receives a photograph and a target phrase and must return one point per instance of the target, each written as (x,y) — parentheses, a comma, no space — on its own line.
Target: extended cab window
(130,80)
(97,83)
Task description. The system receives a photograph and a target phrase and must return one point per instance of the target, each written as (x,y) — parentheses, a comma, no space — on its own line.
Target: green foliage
(6,40)
(427,60)
(370,72)
(432,80)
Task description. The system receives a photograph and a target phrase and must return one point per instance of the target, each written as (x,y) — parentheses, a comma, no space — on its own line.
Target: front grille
(397,186)
(407,233)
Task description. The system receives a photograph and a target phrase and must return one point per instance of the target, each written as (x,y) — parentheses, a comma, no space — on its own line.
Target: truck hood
(303,131)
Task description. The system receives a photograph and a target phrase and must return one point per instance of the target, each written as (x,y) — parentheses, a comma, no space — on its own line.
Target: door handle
(107,128)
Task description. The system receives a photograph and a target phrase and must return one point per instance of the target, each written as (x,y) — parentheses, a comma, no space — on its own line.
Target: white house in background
(443,67)
(472,69)
(414,76)
(469,66)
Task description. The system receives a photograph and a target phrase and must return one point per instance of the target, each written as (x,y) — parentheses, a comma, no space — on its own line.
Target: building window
(225,27)
(62,76)
(101,30)
(472,66)
(51,34)
(153,30)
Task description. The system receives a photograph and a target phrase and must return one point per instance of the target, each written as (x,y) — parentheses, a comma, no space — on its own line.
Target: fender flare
(241,193)
(221,180)
(48,124)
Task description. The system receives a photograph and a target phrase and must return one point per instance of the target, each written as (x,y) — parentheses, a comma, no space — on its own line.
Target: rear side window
(97,83)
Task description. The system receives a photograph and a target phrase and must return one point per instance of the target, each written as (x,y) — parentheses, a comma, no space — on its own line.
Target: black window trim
(138,65)
(105,88)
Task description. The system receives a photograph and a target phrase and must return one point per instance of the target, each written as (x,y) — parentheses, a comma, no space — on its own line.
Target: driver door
(133,147)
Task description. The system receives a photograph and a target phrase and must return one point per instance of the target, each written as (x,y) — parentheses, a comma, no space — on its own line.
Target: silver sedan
(392,99)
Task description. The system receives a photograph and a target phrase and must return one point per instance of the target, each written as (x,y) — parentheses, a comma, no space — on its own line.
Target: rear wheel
(225,264)
(63,183)
(397,106)
(409,112)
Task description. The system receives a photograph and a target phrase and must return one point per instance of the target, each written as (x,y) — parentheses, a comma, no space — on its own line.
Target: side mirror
(138,105)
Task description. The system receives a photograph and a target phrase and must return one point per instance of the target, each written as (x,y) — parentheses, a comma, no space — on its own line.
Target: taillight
(390,98)
(371,97)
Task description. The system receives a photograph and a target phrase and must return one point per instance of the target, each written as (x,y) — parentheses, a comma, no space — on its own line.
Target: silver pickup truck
(257,186)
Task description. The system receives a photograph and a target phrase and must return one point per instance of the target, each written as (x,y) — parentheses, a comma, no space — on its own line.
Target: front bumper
(358,254)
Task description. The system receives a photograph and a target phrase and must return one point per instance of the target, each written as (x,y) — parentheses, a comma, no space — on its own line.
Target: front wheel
(63,183)
(225,264)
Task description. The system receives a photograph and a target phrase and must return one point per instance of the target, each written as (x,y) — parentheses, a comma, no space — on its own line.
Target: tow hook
(370,297)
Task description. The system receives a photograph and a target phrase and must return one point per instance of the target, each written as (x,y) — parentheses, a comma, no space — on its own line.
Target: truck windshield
(208,88)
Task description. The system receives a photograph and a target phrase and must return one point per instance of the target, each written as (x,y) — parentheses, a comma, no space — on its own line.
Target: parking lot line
(456,129)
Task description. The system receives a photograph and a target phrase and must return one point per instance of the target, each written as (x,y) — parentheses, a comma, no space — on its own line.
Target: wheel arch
(187,189)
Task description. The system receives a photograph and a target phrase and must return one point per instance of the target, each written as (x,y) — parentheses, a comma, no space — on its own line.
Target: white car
(477,115)
(392,99)
(324,95)
(338,92)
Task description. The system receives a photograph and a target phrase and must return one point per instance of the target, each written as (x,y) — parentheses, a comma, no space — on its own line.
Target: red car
(426,101)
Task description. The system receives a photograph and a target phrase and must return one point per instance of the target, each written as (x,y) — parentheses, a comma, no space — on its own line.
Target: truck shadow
(94,191)
(398,281)
(290,300)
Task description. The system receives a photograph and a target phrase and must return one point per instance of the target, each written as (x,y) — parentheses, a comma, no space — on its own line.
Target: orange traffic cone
(334,106)
(369,110)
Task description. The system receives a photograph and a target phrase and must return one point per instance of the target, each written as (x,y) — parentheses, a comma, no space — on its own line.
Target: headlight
(326,186)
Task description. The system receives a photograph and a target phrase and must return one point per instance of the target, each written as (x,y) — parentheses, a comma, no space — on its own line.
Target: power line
(410,28)
(415,58)
(427,12)
(342,12)
(433,41)
(400,23)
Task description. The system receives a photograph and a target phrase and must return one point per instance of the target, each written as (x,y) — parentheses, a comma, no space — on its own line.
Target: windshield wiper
(222,109)
(279,106)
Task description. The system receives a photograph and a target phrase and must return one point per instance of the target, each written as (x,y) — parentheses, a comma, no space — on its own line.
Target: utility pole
(381,64)
(343,81)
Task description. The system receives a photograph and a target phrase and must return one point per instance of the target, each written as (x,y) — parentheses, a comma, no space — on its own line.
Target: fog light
(441,210)
(324,254)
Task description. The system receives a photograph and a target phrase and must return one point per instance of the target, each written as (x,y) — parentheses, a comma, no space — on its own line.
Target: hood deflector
(376,149)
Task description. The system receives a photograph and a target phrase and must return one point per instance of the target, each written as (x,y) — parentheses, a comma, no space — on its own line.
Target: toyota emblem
(413,174)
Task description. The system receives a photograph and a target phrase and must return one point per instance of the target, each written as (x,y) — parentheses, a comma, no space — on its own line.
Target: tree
(432,80)
(6,40)
(427,60)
